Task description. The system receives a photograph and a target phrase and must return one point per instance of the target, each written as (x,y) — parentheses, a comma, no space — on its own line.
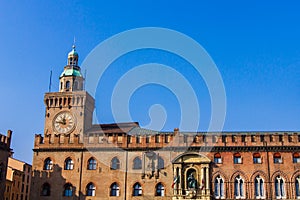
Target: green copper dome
(73,53)
(71,72)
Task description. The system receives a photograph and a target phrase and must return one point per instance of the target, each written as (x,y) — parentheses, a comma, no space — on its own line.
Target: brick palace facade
(75,159)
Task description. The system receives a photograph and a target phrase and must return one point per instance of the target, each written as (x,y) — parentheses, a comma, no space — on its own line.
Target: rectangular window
(218,160)
(224,138)
(128,139)
(256,160)
(138,139)
(100,139)
(204,138)
(278,160)
(91,139)
(280,138)
(166,138)
(262,138)
(253,138)
(290,138)
(243,138)
(296,160)
(147,139)
(110,138)
(157,138)
(233,138)
(185,139)
(237,160)
(214,139)
(120,138)
(271,138)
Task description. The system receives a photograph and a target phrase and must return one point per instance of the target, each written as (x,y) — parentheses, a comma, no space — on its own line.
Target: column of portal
(179,181)
(207,181)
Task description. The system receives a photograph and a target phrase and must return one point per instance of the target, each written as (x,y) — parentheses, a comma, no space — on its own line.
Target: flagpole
(50,81)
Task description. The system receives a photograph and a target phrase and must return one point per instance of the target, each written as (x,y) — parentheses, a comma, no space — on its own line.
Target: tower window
(68,190)
(92,164)
(76,85)
(69,164)
(68,85)
(45,189)
(48,164)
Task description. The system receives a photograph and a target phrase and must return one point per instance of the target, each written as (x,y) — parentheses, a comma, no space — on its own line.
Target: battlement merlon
(6,140)
(143,138)
(67,99)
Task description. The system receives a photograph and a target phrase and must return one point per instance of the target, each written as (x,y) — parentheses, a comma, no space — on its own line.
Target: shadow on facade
(45,185)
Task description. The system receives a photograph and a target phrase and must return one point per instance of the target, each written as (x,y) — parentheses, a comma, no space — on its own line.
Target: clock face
(64,122)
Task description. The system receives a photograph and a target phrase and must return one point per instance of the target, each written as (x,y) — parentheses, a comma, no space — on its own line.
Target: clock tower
(69,111)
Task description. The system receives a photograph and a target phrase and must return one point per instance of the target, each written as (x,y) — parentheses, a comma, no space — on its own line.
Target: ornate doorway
(191,177)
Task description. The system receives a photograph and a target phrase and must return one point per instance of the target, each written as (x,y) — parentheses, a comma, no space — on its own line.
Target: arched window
(279,187)
(68,85)
(90,189)
(137,190)
(114,190)
(137,163)
(115,163)
(297,185)
(296,158)
(45,189)
(237,158)
(239,187)
(48,164)
(277,158)
(160,190)
(218,158)
(68,190)
(259,187)
(161,163)
(256,158)
(69,165)
(219,188)
(92,164)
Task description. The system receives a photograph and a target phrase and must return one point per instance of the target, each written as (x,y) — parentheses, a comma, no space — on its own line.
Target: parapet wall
(168,139)
(6,140)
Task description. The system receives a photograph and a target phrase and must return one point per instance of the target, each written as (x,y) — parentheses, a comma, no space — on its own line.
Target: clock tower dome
(70,110)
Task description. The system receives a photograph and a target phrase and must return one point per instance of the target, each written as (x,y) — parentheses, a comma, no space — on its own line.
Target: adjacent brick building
(18,180)
(5,152)
(75,159)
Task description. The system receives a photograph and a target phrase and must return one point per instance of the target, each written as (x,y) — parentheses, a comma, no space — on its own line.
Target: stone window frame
(160,189)
(114,189)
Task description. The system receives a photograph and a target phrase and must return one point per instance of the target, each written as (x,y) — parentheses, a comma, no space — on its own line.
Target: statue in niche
(192,182)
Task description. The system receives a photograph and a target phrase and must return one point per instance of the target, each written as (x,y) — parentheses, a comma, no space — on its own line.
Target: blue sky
(255,45)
